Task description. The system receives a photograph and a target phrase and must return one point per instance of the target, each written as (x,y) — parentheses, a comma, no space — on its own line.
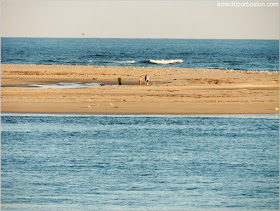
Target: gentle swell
(123,62)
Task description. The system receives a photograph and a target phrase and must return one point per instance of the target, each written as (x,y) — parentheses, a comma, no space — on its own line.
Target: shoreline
(171,90)
(242,116)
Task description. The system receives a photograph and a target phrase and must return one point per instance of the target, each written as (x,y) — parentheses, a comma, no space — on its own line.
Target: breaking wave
(166,61)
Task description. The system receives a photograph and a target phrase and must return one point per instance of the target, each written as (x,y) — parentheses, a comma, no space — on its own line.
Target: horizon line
(145,38)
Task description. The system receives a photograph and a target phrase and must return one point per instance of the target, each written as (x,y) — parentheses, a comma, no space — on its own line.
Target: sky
(138,19)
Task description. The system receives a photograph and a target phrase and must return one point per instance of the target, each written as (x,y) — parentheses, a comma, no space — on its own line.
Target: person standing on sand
(140,79)
(147,78)
(120,81)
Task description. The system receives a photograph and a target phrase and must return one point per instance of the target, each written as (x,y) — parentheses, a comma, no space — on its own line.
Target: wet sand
(170,90)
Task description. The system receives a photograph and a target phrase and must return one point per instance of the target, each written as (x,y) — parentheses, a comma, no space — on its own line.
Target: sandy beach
(170,90)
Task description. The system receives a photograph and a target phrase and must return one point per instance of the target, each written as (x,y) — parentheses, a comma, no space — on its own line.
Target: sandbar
(170,91)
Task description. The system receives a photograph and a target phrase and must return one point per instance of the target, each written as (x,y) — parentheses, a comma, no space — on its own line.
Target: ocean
(182,53)
(139,162)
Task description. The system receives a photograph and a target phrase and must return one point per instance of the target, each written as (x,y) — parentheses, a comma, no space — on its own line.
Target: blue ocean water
(231,54)
(139,162)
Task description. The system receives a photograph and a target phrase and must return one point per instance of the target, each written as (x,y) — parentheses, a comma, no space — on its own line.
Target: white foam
(166,61)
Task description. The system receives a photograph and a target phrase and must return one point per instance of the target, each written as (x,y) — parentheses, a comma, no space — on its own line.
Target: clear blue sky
(138,19)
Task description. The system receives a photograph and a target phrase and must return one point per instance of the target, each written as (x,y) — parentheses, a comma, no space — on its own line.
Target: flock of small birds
(255,71)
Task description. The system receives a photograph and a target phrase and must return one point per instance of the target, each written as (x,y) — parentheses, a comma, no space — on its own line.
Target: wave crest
(172,61)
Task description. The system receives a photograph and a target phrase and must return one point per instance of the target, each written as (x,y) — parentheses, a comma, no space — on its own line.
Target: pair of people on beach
(140,80)
(146,80)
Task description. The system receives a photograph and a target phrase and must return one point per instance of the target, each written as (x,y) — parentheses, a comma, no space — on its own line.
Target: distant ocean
(183,53)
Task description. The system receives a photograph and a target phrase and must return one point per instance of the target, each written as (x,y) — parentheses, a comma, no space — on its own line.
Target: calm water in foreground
(139,162)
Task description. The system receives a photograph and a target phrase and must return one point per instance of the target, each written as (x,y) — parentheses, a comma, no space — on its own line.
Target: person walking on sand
(147,80)
(140,79)
(120,81)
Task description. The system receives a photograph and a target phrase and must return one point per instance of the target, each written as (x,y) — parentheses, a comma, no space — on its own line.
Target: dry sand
(170,90)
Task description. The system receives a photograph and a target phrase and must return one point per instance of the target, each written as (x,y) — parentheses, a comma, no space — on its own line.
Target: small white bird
(277,109)
(89,99)
(89,106)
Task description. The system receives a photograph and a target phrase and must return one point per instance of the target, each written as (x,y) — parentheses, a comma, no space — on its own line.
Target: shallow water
(143,162)
(61,85)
